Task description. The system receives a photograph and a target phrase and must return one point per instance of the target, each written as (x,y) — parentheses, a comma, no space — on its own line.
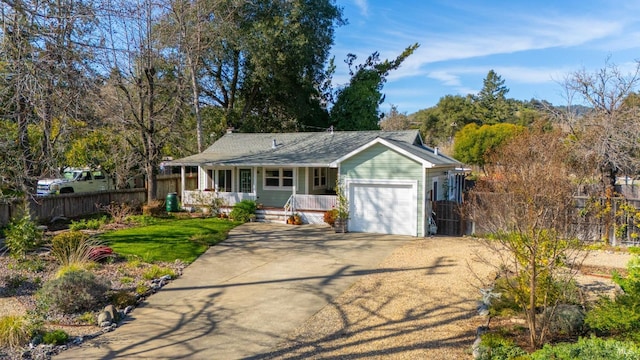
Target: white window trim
(280,179)
(324,172)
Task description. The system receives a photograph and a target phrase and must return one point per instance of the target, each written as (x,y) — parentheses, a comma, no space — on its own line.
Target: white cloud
(363,6)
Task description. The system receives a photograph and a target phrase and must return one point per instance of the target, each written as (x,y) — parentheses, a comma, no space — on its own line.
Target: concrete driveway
(243,296)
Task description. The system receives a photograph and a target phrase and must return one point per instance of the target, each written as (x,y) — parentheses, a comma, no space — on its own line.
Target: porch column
(183,179)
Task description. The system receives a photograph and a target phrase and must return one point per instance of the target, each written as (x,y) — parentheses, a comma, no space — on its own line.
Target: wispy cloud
(363,5)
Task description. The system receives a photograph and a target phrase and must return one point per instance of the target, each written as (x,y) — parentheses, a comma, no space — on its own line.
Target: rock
(113,312)
(128,309)
(105,324)
(105,318)
(166,278)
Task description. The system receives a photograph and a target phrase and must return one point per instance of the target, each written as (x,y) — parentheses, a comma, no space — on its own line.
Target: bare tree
(526,212)
(45,52)
(607,135)
(144,89)
(395,120)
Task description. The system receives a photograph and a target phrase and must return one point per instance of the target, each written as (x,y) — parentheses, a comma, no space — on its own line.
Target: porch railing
(199,197)
(315,202)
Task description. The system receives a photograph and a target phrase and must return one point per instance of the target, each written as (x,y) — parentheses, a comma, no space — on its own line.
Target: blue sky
(533,45)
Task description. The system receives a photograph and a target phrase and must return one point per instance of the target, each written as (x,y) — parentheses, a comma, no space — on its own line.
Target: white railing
(315,202)
(199,197)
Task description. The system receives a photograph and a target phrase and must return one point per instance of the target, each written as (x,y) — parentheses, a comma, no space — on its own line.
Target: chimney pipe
(274,144)
(435,151)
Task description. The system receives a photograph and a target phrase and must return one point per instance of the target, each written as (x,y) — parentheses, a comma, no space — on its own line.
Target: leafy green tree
(264,63)
(491,103)
(440,123)
(357,105)
(473,144)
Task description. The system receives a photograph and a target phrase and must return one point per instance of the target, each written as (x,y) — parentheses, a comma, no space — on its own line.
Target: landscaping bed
(156,252)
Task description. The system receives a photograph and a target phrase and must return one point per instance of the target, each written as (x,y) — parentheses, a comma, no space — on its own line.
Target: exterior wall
(273,198)
(381,163)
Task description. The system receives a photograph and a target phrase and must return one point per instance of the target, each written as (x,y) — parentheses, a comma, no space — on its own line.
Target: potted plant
(297,219)
(342,209)
(330,216)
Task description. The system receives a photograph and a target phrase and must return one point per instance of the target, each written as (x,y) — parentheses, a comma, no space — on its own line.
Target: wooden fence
(621,228)
(76,205)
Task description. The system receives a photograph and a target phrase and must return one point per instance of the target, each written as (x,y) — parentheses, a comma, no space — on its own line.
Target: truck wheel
(67,190)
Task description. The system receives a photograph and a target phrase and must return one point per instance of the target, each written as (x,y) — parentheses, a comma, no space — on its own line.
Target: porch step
(270,215)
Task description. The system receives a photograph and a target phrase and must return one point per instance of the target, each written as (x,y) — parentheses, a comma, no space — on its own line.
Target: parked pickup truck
(75,180)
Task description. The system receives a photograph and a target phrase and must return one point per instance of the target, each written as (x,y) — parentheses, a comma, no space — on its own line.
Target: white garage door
(383,208)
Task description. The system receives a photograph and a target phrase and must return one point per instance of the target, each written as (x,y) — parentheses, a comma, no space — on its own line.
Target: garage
(383,207)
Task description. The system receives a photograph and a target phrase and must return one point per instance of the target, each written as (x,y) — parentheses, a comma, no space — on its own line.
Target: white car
(75,180)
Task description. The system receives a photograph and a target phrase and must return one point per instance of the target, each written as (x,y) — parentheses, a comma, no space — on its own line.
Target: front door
(245,181)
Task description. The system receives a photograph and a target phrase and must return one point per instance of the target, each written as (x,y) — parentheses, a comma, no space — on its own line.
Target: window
(319,178)
(224,180)
(278,178)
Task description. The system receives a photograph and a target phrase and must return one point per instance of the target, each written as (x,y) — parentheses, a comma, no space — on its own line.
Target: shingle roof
(308,149)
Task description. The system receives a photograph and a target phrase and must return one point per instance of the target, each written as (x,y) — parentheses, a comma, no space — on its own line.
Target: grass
(169,239)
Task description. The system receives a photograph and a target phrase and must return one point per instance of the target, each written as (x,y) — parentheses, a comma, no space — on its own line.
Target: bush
(589,349)
(243,210)
(22,236)
(156,272)
(567,320)
(122,298)
(330,216)
(88,224)
(76,248)
(55,337)
(15,331)
(119,212)
(73,292)
(495,347)
(621,316)
(141,220)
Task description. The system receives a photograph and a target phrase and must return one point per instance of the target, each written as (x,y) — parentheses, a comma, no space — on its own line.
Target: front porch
(310,207)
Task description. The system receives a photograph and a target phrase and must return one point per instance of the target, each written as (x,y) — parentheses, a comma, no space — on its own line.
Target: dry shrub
(15,331)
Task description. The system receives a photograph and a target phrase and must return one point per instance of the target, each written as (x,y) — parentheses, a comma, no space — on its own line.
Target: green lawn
(169,239)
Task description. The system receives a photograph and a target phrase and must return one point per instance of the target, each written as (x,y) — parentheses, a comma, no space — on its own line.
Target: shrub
(88,224)
(243,210)
(495,347)
(567,320)
(118,212)
(154,208)
(330,216)
(22,236)
(589,349)
(76,248)
(141,220)
(88,318)
(621,316)
(73,292)
(55,337)
(15,331)
(122,298)
(142,289)
(156,272)
(14,281)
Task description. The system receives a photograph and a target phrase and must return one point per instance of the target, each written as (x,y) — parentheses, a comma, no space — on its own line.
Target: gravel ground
(419,304)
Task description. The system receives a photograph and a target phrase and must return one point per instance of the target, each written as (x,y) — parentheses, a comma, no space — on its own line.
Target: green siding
(381,163)
(272,198)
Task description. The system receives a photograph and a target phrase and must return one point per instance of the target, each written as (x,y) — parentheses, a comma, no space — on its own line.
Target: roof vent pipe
(274,144)
(435,151)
